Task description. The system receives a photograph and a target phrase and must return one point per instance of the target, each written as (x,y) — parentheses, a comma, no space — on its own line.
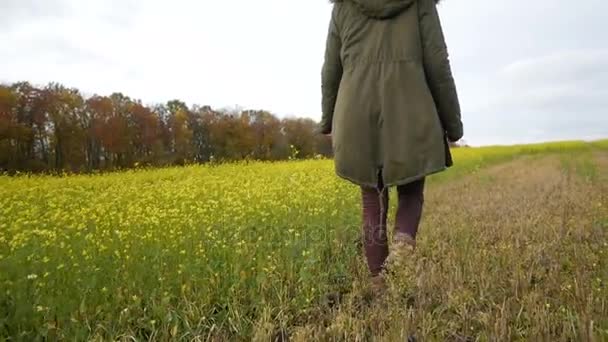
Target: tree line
(55,128)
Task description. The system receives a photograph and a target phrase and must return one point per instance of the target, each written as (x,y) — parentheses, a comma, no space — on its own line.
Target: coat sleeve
(331,75)
(438,71)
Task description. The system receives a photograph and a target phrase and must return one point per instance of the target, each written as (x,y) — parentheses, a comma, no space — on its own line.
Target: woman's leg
(375,204)
(409,211)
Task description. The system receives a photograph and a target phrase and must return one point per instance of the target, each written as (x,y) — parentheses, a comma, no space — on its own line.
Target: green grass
(242,251)
(472,159)
(602,144)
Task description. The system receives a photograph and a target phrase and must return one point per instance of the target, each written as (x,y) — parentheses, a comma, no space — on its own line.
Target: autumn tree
(266,130)
(22,122)
(145,133)
(65,109)
(300,135)
(9,130)
(201,121)
(180,133)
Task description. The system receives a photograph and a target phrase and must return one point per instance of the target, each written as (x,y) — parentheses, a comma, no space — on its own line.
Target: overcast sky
(526,70)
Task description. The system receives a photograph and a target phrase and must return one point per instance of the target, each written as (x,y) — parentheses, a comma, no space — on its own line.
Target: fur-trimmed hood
(381,9)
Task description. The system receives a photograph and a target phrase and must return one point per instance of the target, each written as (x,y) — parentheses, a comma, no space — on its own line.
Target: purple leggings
(407,220)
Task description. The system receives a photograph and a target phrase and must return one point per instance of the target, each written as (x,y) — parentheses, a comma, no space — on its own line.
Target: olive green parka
(389,98)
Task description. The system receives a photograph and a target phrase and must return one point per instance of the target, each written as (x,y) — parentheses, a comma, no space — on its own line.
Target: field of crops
(514,245)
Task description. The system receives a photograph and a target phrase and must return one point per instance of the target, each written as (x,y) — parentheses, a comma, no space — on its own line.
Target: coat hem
(417,177)
(352,180)
(396,183)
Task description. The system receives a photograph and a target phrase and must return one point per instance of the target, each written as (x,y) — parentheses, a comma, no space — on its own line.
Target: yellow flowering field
(513,246)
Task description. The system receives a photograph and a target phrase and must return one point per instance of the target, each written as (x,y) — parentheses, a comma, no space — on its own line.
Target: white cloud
(14,12)
(565,81)
(565,66)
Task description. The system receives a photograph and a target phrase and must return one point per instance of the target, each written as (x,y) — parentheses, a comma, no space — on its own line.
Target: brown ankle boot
(378,285)
(403,247)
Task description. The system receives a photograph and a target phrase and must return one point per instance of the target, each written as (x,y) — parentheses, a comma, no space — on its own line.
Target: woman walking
(390,104)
